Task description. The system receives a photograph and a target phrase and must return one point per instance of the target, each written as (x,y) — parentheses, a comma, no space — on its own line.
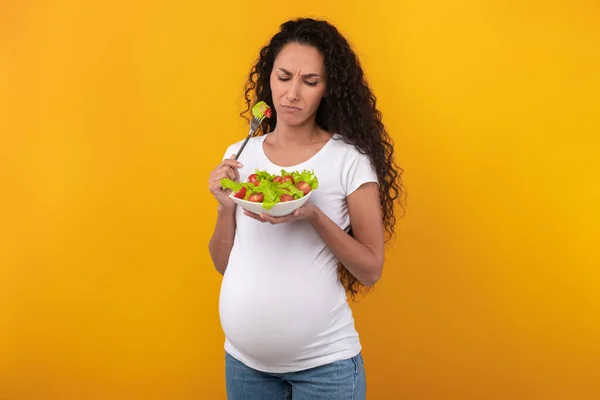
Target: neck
(285,135)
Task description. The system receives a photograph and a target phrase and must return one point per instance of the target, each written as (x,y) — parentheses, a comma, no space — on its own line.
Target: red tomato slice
(240,193)
(256,197)
(253,179)
(305,187)
(286,197)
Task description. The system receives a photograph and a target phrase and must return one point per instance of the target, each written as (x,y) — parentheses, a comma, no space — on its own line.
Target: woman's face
(297,83)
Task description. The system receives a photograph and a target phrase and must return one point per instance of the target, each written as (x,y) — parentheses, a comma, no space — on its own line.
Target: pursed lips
(290,107)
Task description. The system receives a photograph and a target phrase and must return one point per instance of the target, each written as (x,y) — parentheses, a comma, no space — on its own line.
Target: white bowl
(278,210)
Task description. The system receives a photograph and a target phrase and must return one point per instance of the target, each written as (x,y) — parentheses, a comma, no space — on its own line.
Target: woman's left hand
(307,211)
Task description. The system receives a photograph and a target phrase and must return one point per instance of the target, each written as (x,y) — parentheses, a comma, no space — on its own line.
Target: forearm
(362,262)
(221,242)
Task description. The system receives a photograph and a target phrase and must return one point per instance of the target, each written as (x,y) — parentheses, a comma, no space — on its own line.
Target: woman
(289,329)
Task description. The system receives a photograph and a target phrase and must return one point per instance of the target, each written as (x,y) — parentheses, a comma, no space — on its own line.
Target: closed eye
(282,79)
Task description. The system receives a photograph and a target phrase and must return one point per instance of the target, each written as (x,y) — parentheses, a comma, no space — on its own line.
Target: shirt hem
(298,366)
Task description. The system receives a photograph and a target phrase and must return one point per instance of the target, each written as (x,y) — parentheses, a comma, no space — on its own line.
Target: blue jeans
(339,380)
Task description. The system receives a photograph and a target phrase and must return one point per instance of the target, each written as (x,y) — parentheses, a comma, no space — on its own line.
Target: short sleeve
(360,172)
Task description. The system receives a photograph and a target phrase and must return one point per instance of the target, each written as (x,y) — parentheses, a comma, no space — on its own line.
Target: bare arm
(221,242)
(362,254)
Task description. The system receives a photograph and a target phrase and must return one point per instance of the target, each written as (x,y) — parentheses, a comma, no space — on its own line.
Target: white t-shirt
(282,306)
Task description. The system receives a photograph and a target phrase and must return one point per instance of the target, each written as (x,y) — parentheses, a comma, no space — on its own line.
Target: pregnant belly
(274,320)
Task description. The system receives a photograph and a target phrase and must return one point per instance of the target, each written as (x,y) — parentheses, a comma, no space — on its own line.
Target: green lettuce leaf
(267,205)
(227,183)
(306,176)
(269,190)
(288,187)
(263,176)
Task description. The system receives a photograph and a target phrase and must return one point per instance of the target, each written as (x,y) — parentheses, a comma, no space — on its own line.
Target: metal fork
(254,124)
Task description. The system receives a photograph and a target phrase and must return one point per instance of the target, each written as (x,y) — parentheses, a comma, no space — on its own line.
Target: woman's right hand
(226,169)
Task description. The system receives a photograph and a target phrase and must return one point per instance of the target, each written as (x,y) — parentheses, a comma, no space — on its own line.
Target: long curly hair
(348,108)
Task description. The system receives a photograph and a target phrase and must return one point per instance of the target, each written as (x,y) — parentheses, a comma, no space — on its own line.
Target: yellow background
(113,113)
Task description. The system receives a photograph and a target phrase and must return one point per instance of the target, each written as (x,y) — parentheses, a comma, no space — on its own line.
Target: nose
(293,93)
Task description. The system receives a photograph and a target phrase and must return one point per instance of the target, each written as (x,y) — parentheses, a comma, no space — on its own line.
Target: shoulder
(356,168)
(346,151)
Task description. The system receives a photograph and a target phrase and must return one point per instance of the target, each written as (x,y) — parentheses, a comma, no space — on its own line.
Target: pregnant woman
(289,330)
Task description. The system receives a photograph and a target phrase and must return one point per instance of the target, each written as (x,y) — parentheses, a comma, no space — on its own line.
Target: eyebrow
(285,71)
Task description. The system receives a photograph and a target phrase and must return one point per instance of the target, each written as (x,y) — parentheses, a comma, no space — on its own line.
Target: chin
(292,120)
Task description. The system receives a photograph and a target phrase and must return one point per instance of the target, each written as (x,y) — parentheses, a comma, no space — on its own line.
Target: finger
(232,163)
(235,170)
(217,179)
(228,172)
(301,212)
(274,220)
(254,216)
(222,172)
(231,174)
(215,187)
(216,183)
